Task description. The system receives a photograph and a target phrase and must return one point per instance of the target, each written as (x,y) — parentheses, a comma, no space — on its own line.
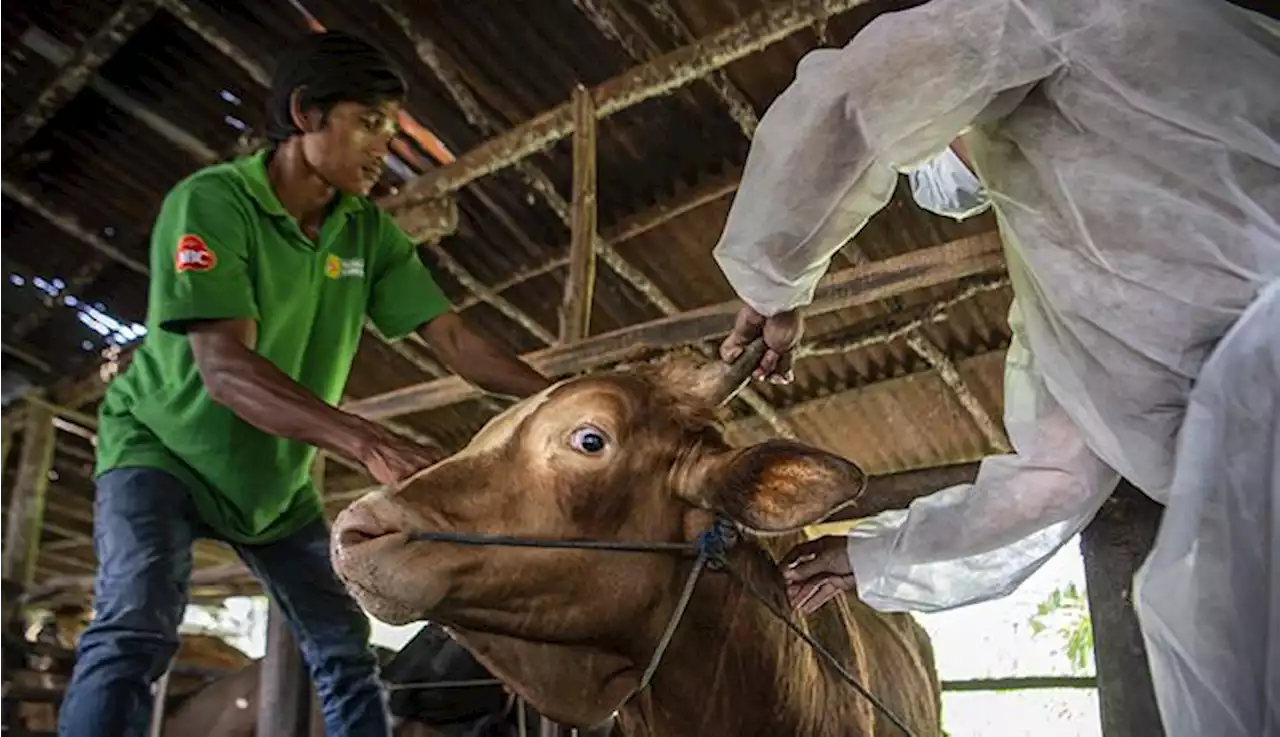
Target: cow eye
(588,440)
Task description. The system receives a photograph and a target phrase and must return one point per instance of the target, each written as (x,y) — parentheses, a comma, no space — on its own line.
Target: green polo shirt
(223,247)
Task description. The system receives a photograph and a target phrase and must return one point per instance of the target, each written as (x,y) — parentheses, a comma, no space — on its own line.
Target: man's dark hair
(329,67)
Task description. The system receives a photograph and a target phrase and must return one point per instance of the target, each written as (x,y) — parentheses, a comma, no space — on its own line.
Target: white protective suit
(1131,152)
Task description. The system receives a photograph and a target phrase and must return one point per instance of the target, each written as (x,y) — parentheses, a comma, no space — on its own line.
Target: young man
(263,271)
(1131,153)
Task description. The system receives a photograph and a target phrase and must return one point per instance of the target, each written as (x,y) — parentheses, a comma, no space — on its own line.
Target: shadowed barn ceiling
(106,105)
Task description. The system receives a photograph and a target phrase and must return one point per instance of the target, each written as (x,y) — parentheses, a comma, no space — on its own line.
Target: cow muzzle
(373,553)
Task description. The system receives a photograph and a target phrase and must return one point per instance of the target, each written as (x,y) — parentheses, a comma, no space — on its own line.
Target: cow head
(630,455)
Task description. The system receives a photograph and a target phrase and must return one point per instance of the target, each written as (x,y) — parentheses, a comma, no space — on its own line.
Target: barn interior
(629,118)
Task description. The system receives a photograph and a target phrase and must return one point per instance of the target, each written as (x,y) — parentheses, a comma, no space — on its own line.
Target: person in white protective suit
(1130,150)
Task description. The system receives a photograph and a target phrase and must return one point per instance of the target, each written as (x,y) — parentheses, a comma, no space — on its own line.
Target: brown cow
(635,455)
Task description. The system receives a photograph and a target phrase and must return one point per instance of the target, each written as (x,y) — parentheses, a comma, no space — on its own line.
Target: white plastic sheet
(1131,152)
(1208,596)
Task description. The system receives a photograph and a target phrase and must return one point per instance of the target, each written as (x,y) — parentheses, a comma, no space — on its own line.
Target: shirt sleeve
(404,294)
(200,263)
(974,542)
(826,155)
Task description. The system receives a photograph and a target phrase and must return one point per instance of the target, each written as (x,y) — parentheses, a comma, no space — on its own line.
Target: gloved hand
(781,334)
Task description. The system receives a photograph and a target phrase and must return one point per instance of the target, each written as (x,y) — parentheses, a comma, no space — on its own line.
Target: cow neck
(733,668)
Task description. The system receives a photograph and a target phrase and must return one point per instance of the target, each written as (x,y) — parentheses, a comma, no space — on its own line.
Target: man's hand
(391,459)
(816,572)
(781,334)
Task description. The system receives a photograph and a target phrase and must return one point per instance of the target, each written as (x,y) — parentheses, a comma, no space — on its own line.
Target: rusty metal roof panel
(903,423)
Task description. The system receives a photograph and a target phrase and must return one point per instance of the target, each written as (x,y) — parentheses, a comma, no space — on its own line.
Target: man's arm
(827,153)
(480,360)
(405,298)
(262,395)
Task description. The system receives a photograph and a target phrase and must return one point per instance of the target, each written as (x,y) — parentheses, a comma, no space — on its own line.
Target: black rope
(618,546)
(818,648)
(432,685)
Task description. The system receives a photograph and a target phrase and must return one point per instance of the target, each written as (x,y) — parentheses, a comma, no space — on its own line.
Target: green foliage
(1066,613)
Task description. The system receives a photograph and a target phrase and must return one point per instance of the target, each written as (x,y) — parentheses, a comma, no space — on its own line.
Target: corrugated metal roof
(103,165)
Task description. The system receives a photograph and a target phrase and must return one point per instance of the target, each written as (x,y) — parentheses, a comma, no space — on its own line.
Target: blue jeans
(144,526)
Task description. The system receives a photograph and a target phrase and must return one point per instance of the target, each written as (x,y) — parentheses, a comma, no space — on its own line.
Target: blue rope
(714,544)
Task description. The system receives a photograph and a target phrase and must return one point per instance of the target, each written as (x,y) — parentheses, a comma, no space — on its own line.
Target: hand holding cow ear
(816,572)
(781,333)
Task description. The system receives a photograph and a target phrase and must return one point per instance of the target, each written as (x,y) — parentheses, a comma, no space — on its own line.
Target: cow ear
(777,486)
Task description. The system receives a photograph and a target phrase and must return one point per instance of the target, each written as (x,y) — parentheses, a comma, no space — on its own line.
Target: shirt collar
(253,170)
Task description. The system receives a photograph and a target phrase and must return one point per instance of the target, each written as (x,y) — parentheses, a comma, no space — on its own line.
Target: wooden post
(284,701)
(26,505)
(575,311)
(1114,545)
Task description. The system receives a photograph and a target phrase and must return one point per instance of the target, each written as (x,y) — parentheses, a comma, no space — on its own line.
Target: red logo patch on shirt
(193,255)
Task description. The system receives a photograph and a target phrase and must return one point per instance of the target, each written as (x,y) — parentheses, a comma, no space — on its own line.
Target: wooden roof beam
(215,38)
(580,286)
(864,284)
(734,99)
(75,74)
(447,72)
(67,223)
(59,53)
(615,22)
(658,77)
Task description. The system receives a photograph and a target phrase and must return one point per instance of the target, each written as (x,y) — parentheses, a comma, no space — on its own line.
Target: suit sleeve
(827,153)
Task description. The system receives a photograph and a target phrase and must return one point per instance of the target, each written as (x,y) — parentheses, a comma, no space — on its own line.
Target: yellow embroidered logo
(337,268)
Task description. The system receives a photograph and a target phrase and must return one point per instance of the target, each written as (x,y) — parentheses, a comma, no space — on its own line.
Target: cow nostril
(353,536)
(358,526)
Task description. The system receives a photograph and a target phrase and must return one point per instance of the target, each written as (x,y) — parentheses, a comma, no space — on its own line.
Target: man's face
(350,149)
